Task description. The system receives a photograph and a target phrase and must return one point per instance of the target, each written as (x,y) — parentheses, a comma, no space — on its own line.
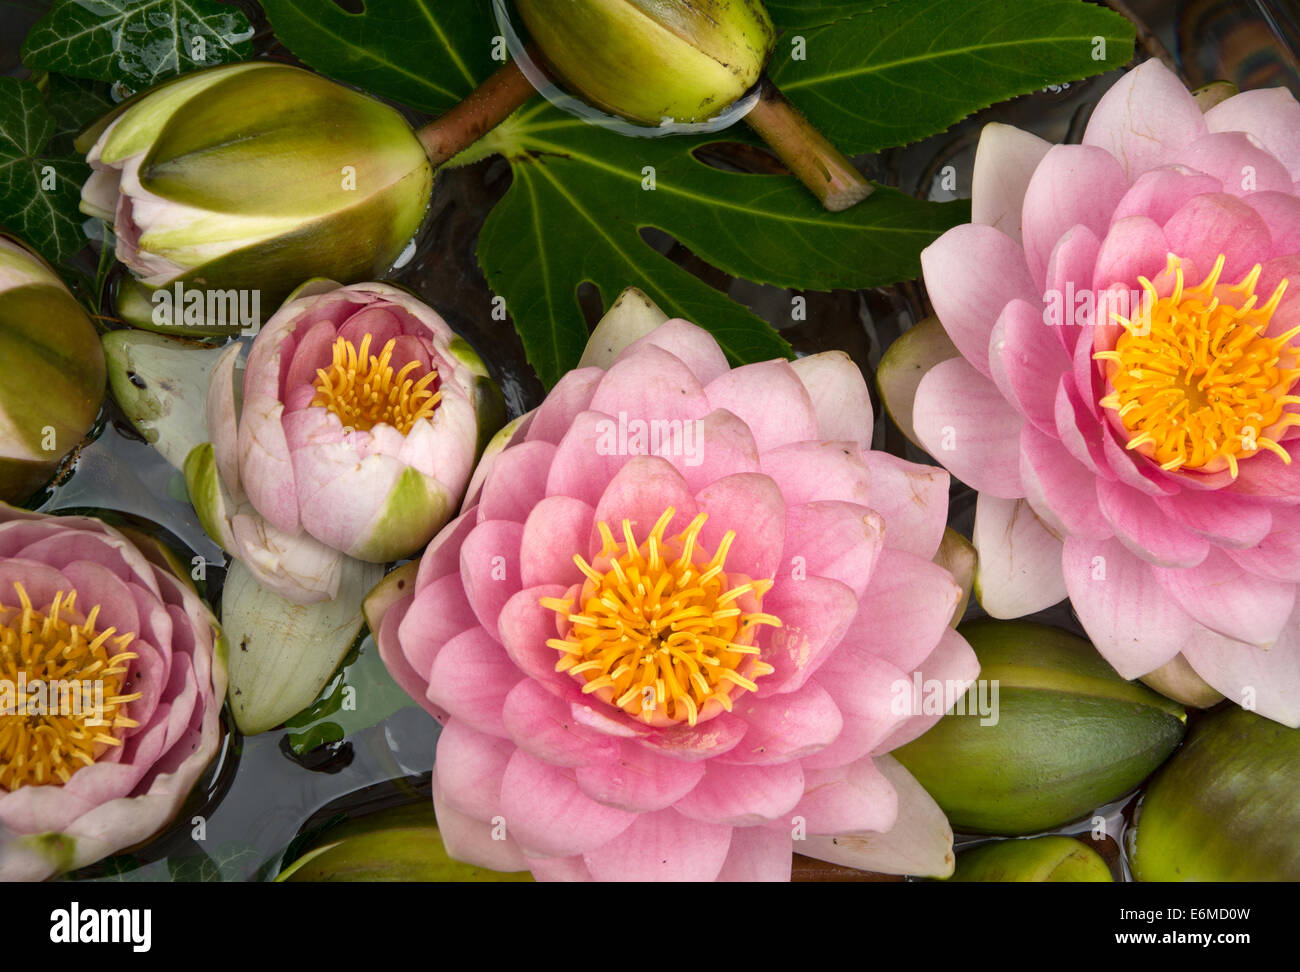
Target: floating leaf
(427,54)
(137,42)
(39,193)
(794,14)
(908,69)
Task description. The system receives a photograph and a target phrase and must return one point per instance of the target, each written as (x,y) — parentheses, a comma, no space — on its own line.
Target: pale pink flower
(1144,467)
(102,755)
(670,654)
(355,435)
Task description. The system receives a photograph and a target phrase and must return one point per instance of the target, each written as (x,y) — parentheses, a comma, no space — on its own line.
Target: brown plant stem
(487,107)
(806,152)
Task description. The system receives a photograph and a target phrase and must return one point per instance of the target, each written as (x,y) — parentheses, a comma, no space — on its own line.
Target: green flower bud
(251,178)
(53,371)
(1051,859)
(1070,735)
(1226,808)
(648,60)
(396,844)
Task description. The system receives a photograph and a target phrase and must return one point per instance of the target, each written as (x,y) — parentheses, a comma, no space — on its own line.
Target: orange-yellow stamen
(662,633)
(61,698)
(362,390)
(1196,381)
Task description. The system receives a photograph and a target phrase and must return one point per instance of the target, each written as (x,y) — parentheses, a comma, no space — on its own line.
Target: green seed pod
(650,60)
(1226,808)
(252,178)
(1070,734)
(1049,859)
(54,371)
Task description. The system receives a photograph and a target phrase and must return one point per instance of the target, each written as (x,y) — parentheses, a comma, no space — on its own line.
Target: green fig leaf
(908,69)
(39,192)
(426,54)
(137,42)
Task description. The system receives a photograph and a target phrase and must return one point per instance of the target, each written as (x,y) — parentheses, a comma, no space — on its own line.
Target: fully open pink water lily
(355,435)
(667,635)
(1126,312)
(111,685)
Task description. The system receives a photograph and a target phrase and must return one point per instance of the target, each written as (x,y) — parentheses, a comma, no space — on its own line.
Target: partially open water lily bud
(1226,807)
(256,176)
(53,371)
(112,675)
(353,432)
(648,60)
(1054,734)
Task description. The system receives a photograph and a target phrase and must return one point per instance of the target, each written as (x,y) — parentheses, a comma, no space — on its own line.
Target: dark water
(261,794)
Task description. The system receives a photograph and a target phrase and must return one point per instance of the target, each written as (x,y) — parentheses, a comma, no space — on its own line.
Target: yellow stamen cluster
(62,649)
(362,390)
(1195,380)
(661,634)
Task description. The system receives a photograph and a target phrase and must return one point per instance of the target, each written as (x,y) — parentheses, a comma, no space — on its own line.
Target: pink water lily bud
(355,434)
(112,675)
(673,635)
(1127,317)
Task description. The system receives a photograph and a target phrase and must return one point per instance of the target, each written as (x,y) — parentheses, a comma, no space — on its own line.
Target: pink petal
(839,541)
(1069,281)
(525,626)
(692,345)
(517,482)
(583,465)
(964,422)
(751,506)
(650,385)
(437,614)
(638,780)
(1221,595)
(864,688)
(722,445)
(758,854)
(471,678)
(1218,223)
(1005,161)
(489,567)
(953,666)
(971,273)
(470,766)
(1160,193)
(770,399)
(641,492)
(815,613)
(808,472)
(1224,518)
(785,727)
(1061,490)
(839,396)
(1146,117)
(663,846)
(1277,556)
(1281,214)
(1236,160)
(744,796)
(1027,362)
(1074,184)
(1019,559)
(1147,532)
(570,397)
(846,799)
(906,608)
(549,816)
(1271,115)
(912,499)
(542,725)
(471,840)
(1129,616)
(1269,678)
(1134,247)
(557,528)
(442,555)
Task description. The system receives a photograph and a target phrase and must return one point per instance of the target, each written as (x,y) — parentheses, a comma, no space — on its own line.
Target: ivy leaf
(581,196)
(74,104)
(39,192)
(136,42)
(426,54)
(908,69)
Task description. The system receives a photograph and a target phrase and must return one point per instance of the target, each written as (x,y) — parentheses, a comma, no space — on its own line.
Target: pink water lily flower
(355,435)
(666,637)
(111,685)
(1127,313)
